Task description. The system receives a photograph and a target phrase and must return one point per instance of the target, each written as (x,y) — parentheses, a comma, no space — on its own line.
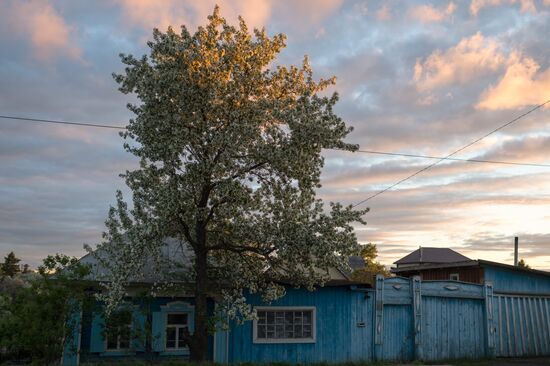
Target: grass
(184,363)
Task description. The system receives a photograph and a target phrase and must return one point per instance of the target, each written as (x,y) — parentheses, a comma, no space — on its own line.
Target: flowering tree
(230,158)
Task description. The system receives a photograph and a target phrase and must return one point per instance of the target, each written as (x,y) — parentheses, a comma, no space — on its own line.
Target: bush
(35,310)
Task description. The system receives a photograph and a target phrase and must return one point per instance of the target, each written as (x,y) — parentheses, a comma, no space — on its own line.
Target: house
(400,318)
(302,326)
(447,264)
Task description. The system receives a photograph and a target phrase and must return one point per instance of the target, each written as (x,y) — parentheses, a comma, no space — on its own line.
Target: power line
(62,122)
(453,153)
(362,151)
(453,159)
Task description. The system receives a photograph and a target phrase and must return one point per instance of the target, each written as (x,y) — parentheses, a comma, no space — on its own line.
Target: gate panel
(398,338)
(522,325)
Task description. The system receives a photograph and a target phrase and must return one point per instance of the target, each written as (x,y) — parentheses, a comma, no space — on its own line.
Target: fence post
(417,316)
(378,317)
(489,319)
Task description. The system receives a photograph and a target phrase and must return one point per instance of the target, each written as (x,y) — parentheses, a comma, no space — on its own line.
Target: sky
(413,77)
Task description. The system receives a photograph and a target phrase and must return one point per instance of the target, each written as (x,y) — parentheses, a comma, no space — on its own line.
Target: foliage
(523,264)
(230,160)
(369,252)
(10,267)
(35,316)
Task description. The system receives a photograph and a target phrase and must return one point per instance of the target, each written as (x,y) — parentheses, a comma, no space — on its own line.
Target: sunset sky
(413,77)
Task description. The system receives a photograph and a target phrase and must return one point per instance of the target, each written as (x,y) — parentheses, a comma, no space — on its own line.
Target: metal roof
(432,255)
(176,257)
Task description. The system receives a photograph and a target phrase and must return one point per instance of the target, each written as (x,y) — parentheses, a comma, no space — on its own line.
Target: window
(454,277)
(176,325)
(284,325)
(119,332)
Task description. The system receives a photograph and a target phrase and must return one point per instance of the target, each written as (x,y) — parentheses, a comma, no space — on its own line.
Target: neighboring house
(447,264)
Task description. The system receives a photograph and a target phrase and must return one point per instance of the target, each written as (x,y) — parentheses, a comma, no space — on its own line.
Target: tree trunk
(199,342)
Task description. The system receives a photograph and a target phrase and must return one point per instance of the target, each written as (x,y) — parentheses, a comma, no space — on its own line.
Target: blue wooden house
(399,318)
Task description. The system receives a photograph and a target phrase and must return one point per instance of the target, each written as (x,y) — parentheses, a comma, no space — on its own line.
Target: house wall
(344,329)
(466,274)
(515,282)
(149,314)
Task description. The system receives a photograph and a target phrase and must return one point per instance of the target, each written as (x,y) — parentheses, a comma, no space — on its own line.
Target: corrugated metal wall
(522,325)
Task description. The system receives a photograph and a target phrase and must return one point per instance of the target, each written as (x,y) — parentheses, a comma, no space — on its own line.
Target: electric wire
(451,154)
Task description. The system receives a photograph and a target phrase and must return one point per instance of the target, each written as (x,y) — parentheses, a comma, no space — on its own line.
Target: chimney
(516,244)
(420,248)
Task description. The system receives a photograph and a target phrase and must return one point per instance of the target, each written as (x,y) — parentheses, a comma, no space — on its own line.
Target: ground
(497,362)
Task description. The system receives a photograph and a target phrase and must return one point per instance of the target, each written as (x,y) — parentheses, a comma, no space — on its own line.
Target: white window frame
(313,338)
(454,277)
(176,348)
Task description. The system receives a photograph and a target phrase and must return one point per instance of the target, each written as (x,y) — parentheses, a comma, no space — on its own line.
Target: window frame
(118,348)
(166,326)
(453,275)
(313,338)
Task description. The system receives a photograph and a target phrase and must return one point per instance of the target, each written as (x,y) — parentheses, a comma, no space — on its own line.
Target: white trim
(176,304)
(313,338)
(457,275)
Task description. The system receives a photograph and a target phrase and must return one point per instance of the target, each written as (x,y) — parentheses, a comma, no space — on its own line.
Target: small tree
(369,252)
(10,267)
(230,160)
(523,264)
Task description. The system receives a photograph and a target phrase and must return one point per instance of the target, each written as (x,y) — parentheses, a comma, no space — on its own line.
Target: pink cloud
(429,13)
(525,5)
(521,85)
(39,22)
(384,13)
(304,16)
(151,14)
(470,58)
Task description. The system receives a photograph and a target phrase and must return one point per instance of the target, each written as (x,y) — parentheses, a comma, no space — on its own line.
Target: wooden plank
(378,317)
(417,315)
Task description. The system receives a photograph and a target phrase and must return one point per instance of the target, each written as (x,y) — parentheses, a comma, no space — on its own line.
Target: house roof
(425,266)
(432,255)
(356,262)
(176,256)
(468,263)
(483,262)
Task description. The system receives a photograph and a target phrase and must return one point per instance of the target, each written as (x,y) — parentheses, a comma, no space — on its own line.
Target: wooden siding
(512,281)
(452,328)
(401,319)
(344,330)
(466,274)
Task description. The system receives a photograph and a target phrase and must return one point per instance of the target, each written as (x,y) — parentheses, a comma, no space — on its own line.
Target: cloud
(384,13)
(150,14)
(470,58)
(40,23)
(526,5)
(298,16)
(521,85)
(429,13)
